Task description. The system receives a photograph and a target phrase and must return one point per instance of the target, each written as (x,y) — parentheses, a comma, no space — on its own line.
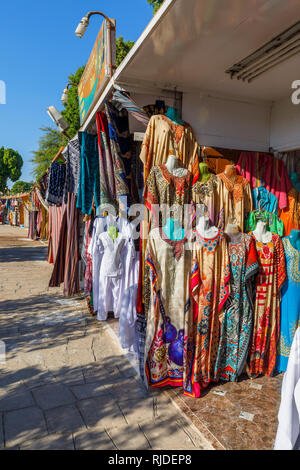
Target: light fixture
(59,120)
(64,96)
(81,28)
(278,50)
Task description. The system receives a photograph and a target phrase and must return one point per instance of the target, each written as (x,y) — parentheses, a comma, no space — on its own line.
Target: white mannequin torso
(205,229)
(173,167)
(261,234)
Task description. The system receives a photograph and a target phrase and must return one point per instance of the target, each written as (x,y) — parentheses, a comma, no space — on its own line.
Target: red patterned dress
(209,291)
(266,329)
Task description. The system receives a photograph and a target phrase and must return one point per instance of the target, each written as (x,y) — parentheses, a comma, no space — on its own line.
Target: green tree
(71,111)
(49,144)
(122,49)
(21,187)
(155,4)
(11,163)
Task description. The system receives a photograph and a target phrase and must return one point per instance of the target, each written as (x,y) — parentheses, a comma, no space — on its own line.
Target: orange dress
(290,215)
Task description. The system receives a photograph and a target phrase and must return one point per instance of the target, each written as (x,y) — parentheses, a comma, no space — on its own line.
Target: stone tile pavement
(65,383)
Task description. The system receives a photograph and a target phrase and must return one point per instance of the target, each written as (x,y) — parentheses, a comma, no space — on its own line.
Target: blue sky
(38,50)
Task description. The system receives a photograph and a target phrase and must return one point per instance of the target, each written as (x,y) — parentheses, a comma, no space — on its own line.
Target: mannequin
(204,174)
(173,230)
(173,166)
(205,229)
(232,231)
(294,238)
(230,172)
(172,114)
(261,234)
(112,232)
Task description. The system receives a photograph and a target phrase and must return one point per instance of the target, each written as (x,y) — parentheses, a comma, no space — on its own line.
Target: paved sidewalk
(66,384)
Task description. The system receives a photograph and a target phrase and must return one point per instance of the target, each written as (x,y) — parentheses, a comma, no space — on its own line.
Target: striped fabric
(130,105)
(54,224)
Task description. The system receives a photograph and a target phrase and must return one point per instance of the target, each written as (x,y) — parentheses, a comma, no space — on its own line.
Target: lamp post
(64,96)
(110,24)
(59,120)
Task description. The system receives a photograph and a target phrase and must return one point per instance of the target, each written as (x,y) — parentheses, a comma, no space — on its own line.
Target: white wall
(285,125)
(228,122)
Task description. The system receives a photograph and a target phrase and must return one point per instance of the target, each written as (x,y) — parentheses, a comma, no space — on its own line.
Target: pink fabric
(263,169)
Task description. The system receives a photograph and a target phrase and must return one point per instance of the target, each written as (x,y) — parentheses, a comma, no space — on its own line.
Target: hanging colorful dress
(290,304)
(169,268)
(264,200)
(208,193)
(237,321)
(209,291)
(262,169)
(266,328)
(273,223)
(164,190)
(163,138)
(236,199)
(290,216)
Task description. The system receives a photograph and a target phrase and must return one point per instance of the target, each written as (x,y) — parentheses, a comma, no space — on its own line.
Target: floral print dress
(237,321)
(210,288)
(266,328)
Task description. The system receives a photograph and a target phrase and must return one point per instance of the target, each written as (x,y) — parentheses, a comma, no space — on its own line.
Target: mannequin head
(230,170)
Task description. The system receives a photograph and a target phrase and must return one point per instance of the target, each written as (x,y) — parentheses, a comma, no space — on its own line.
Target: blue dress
(290,304)
(264,200)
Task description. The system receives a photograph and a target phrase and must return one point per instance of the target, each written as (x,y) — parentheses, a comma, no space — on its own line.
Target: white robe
(288,432)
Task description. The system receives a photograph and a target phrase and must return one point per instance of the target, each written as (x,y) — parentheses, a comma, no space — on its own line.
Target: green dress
(274,224)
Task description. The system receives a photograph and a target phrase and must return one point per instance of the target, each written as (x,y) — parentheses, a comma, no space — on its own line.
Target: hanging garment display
(72,157)
(208,193)
(113,262)
(209,291)
(163,138)
(169,268)
(235,195)
(130,105)
(54,223)
(288,431)
(120,174)
(237,320)
(290,216)
(162,187)
(107,179)
(261,169)
(290,304)
(89,177)
(266,329)
(274,224)
(56,183)
(291,161)
(264,200)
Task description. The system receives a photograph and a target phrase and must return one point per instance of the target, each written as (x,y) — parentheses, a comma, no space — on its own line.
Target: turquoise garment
(290,304)
(89,177)
(274,224)
(295,179)
(263,199)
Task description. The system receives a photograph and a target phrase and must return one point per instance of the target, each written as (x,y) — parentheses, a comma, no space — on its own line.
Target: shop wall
(285,125)
(227,122)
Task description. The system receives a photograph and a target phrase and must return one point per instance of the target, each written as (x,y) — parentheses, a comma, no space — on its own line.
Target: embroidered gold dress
(163,138)
(209,291)
(164,189)
(266,328)
(236,199)
(169,268)
(209,194)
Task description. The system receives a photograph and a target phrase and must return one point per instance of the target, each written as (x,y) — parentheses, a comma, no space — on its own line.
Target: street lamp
(59,120)
(110,25)
(81,28)
(64,96)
